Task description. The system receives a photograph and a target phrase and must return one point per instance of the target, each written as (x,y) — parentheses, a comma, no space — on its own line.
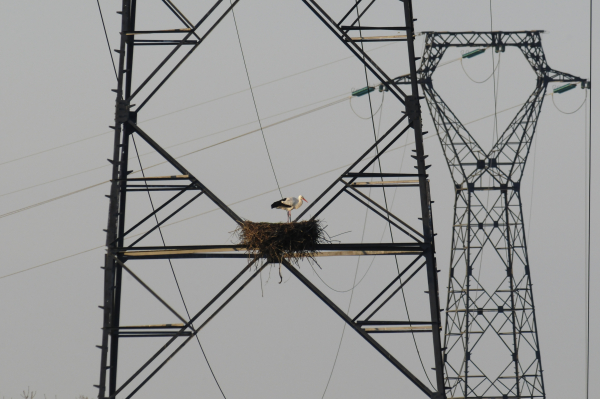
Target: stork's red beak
(304,199)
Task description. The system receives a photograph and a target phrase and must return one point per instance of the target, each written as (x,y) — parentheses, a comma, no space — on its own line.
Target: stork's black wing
(279,203)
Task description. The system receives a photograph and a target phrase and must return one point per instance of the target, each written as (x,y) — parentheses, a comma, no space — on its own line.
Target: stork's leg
(289,216)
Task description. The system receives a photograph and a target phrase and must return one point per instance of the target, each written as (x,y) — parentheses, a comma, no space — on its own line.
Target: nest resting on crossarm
(277,241)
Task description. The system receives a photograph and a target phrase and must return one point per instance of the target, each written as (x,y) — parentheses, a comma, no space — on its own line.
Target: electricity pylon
(491,337)
(413,247)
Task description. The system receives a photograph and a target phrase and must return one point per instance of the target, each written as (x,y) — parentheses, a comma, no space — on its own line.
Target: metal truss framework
(417,244)
(488,213)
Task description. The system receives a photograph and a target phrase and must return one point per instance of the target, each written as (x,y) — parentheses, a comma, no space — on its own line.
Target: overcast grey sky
(56,80)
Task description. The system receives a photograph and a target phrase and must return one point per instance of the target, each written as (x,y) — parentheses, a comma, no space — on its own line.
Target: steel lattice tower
(491,338)
(412,246)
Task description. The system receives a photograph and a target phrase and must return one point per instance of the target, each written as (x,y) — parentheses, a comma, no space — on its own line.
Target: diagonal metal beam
(398,277)
(387,213)
(182,42)
(358,329)
(363,156)
(155,211)
(184,343)
(187,325)
(175,212)
(184,171)
(154,294)
(356,50)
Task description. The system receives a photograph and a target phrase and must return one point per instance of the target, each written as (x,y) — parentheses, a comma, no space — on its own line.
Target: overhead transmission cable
(589,225)
(205,136)
(107,41)
(173,269)
(354,283)
(186,108)
(206,212)
(486,79)
(254,99)
(159,228)
(193,152)
(388,217)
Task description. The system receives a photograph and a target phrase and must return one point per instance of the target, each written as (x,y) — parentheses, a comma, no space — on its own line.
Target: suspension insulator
(473,53)
(564,88)
(362,92)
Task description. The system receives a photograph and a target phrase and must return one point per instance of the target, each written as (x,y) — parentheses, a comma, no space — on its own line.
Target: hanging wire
(589,225)
(572,112)
(189,107)
(254,100)
(203,213)
(387,208)
(173,270)
(494,137)
(155,217)
(107,41)
(486,79)
(368,117)
(337,353)
(354,283)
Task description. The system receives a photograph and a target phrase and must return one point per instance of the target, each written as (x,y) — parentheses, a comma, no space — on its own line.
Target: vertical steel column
(413,110)
(116,213)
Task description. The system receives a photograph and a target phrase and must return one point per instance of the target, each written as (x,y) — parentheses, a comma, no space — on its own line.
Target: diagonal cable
(107,41)
(173,270)
(254,100)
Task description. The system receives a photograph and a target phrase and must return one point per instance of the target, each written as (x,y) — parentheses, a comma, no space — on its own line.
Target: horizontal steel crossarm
(356,327)
(553,75)
(357,50)
(224,251)
(485,38)
(184,171)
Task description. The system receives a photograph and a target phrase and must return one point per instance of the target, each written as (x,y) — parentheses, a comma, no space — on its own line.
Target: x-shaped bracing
(420,243)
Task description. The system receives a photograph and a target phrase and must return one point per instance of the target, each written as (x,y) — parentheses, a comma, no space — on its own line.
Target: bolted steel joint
(122,112)
(413,109)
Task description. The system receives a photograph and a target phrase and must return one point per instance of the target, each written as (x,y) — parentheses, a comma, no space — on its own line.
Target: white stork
(287,204)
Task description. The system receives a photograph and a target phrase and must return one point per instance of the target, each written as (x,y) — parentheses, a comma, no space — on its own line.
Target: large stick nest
(277,241)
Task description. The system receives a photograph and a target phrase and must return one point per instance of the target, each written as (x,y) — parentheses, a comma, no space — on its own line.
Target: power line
(388,218)
(244,124)
(50,200)
(201,149)
(254,100)
(589,223)
(194,139)
(107,41)
(173,270)
(187,108)
(354,283)
(179,157)
(486,79)
(572,112)
(210,211)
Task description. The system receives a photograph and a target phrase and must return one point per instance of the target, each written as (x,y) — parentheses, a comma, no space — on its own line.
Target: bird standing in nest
(288,204)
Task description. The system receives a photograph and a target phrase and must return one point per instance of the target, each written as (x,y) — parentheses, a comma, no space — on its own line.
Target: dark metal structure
(491,338)
(414,245)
